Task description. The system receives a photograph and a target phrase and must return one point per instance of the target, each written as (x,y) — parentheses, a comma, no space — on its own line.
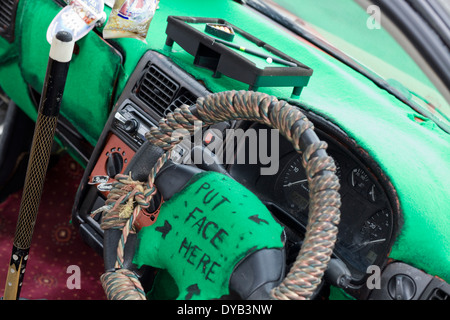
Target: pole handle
(15,273)
(55,79)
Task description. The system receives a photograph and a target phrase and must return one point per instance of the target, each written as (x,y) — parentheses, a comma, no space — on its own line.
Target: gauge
(373,193)
(338,167)
(359,180)
(377,228)
(295,184)
(363,246)
(365,230)
(374,233)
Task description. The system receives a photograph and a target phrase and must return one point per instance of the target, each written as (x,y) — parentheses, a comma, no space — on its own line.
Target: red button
(208,138)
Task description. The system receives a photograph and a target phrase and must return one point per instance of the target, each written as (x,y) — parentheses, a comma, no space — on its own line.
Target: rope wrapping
(122,284)
(128,197)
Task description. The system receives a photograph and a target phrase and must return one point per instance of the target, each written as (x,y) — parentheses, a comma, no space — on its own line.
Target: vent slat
(6,8)
(7,18)
(7,5)
(151,84)
(185,97)
(157,89)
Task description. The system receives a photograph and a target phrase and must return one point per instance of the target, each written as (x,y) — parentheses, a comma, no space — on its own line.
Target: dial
(295,184)
(360,182)
(373,236)
(131,126)
(114,164)
(373,193)
(376,229)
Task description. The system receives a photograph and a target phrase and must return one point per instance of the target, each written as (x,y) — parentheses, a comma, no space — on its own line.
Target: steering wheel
(129,198)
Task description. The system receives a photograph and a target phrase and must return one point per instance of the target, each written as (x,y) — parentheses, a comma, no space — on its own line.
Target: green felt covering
(414,155)
(202,232)
(11,79)
(92,75)
(17,88)
(7,51)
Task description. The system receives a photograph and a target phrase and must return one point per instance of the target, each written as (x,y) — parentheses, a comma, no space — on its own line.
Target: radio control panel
(132,123)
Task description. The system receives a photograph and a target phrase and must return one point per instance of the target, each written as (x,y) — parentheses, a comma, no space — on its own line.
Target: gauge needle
(295,182)
(373,241)
(362,245)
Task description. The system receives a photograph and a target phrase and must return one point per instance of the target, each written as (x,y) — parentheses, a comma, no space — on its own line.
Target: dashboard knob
(130,125)
(401,287)
(114,164)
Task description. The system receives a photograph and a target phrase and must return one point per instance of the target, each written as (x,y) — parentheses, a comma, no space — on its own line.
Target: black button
(130,125)
(114,165)
(401,287)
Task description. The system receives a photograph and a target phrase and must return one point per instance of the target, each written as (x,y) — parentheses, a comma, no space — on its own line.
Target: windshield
(346,26)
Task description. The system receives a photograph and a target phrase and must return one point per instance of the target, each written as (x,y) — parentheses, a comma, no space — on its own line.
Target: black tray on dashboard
(244,58)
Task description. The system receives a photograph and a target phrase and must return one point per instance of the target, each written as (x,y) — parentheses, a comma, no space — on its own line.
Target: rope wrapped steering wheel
(324,214)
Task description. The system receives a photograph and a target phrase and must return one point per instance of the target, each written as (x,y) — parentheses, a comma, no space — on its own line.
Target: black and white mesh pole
(60,55)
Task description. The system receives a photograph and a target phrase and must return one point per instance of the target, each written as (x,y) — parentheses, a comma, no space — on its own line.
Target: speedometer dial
(295,184)
(373,234)
(368,220)
(365,229)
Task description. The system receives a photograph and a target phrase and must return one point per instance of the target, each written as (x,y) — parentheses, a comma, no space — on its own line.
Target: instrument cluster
(367,223)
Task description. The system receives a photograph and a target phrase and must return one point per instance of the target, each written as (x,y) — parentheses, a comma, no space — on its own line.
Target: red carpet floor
(56,243)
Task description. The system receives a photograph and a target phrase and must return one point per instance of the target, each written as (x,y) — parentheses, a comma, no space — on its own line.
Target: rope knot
(127,209)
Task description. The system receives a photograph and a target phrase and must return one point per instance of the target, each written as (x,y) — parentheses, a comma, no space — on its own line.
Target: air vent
(7,19)
(157,90)
(185,97)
